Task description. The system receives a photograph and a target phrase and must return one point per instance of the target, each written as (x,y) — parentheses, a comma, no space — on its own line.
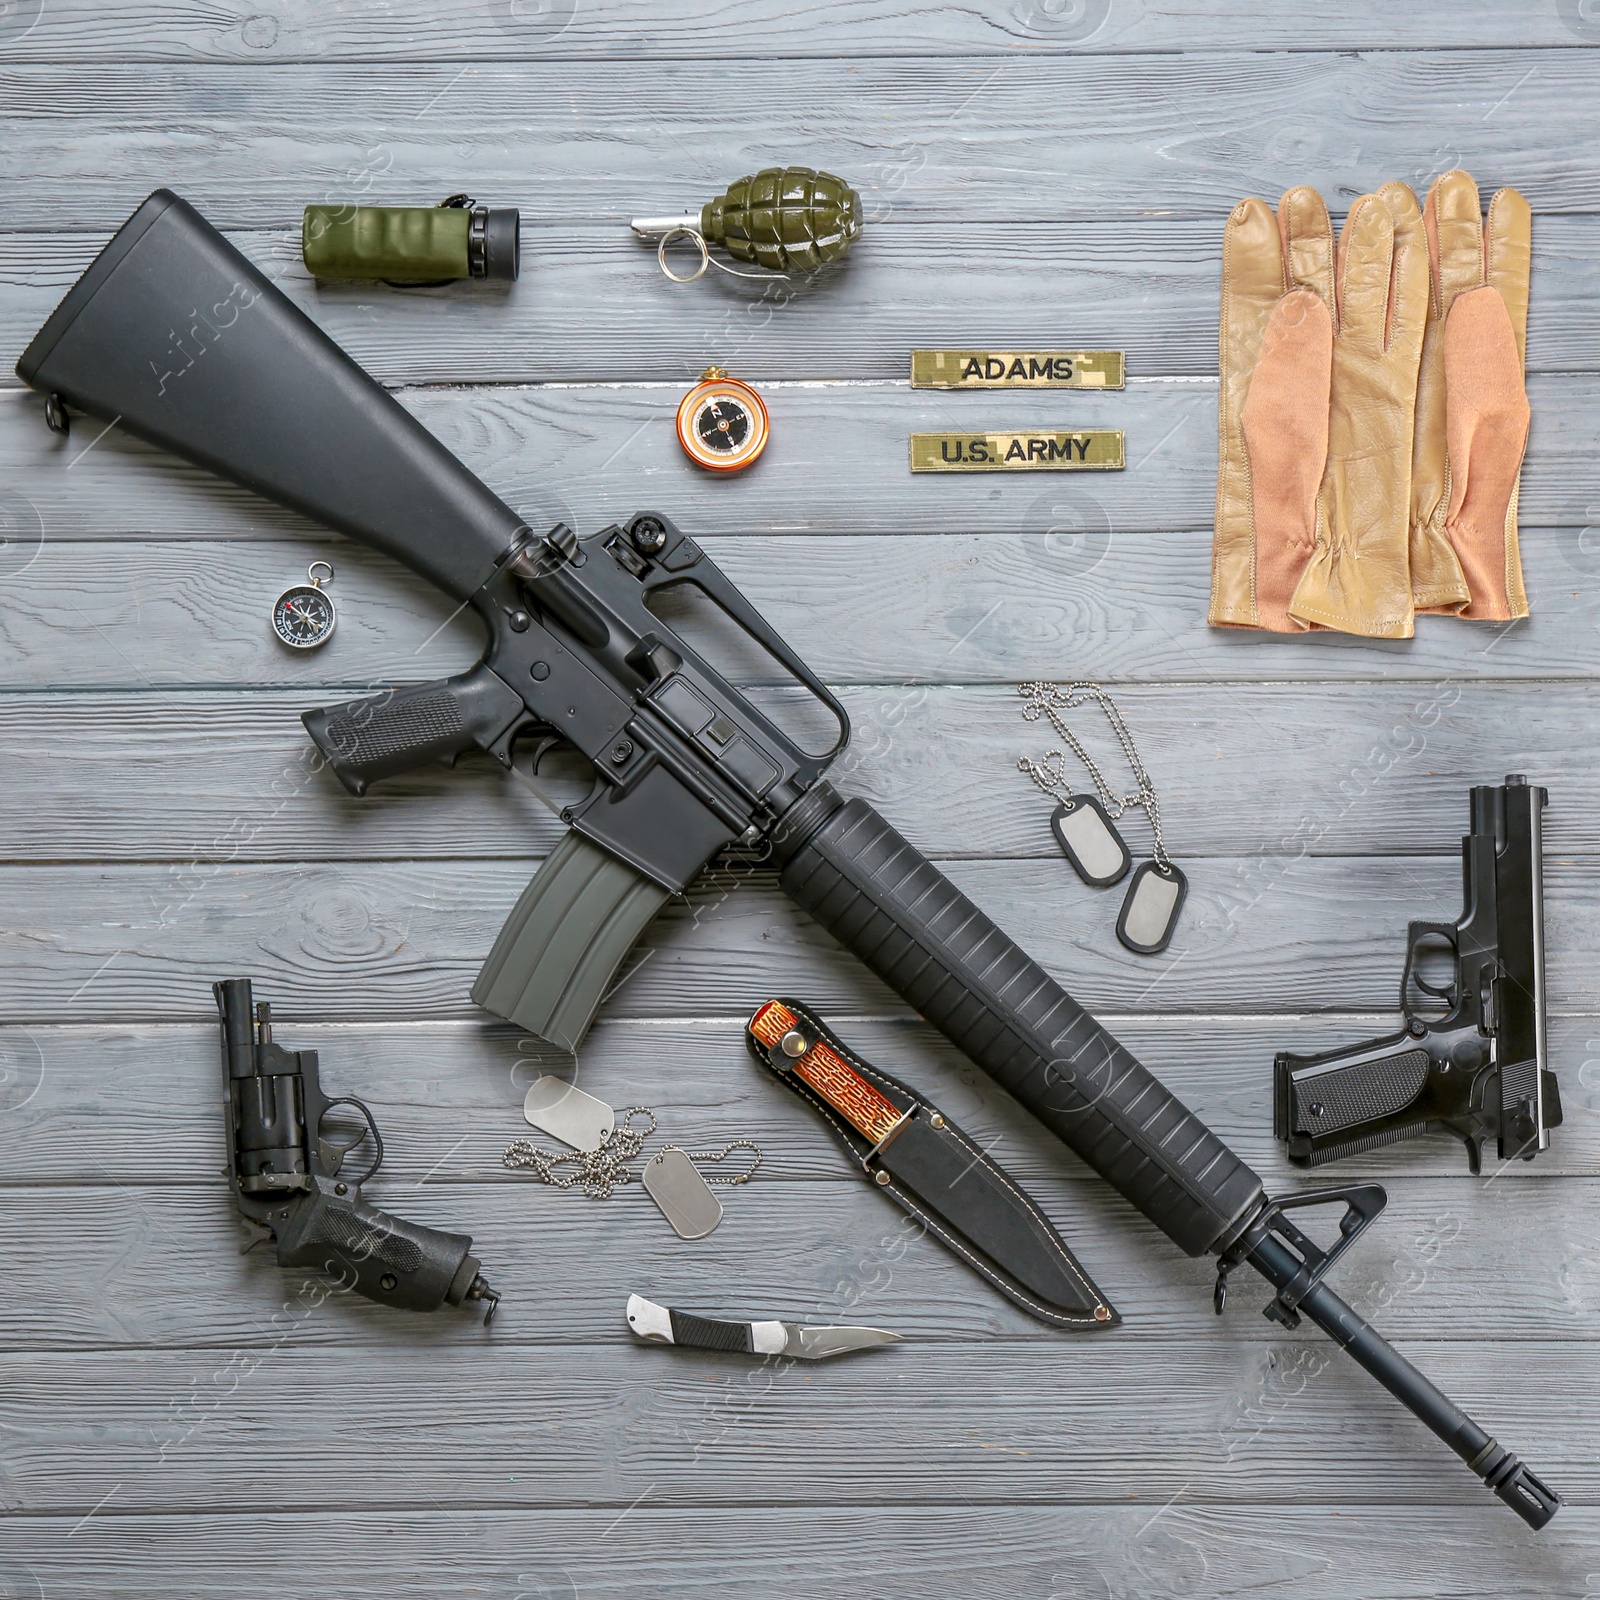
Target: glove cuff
(1336,592)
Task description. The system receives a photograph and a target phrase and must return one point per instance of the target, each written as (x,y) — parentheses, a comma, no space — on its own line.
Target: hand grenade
(786,219)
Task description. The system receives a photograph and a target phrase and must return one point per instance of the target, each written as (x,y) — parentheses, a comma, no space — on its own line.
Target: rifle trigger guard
(1363,1202)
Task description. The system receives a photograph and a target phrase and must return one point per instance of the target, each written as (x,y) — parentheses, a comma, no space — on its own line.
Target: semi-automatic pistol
(1480,1070)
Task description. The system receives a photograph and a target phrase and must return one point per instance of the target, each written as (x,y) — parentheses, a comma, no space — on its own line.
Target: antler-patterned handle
(817,1063)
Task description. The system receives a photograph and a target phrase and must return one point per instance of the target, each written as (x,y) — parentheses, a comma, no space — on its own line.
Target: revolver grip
(554,960)
(1345,1101)
(377,1254)
(364,740)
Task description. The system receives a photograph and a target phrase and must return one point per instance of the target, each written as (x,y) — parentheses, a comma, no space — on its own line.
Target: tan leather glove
(1319,367)
(1359,579)
(1472,403)
(1276,354)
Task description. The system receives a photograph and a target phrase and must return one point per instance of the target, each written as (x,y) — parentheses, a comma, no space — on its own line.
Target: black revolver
(1479,1070)
(285,1175)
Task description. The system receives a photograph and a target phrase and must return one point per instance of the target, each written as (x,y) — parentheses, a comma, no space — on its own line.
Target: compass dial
(303,617)
(722,423)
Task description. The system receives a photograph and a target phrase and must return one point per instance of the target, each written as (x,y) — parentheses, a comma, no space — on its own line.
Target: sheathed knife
(922,1160)
(663,1325)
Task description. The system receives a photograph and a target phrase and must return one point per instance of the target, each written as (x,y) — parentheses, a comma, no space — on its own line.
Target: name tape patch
(1094,450)
(1016,369)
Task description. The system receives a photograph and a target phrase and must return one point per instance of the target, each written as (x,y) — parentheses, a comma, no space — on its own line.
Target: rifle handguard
(879,896)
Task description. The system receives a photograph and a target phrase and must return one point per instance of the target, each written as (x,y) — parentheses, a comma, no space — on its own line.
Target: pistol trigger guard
(256,1233)
(1418,933)
(325,1145)
(1472,1137)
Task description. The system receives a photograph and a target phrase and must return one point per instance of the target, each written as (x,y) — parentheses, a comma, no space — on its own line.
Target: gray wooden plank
(135,1104)
(160,1268)
(1363,769)
(322,1429)
(1105,176)
(837,464)
(967,609)
(964,137)
(592,306)
(904,612)
(405,940)
(282,31)
(1452,1551)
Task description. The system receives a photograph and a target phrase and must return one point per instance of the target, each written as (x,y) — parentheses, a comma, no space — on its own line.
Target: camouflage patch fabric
(1096,450)
(1017,369)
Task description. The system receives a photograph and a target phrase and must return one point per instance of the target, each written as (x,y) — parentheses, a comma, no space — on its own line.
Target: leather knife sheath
(925,1163)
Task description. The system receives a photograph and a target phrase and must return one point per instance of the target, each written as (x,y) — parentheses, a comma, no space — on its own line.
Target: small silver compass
(303,615)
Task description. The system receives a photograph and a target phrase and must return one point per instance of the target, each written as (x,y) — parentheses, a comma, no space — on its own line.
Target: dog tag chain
(1085,825)
(605,1143)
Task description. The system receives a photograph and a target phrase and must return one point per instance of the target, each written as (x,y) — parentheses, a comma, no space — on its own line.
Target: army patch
(1096,450)
(1016,369)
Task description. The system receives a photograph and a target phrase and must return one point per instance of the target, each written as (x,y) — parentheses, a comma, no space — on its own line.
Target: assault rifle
(172,333)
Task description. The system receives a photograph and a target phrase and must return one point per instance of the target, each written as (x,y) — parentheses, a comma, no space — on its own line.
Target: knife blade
(662,1325)
(930,1166)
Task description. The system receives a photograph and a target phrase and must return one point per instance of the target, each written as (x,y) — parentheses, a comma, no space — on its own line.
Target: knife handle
(818,1064)
(708,1333)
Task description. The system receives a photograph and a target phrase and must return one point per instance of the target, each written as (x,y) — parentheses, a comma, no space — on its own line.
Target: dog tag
(568,1114)
(1150,908)
(1091,841)
(673,1181)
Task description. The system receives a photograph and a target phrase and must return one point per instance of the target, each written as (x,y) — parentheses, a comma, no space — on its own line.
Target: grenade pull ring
(783,219)
(689,228)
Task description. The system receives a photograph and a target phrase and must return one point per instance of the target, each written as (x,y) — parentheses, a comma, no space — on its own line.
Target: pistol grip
(390,733)
(1339,1104)
(377,1254)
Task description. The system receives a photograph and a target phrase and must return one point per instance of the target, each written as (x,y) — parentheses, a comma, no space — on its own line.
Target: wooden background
(177,1420)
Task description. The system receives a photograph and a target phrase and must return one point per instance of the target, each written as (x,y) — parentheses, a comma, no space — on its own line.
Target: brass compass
(722,423)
